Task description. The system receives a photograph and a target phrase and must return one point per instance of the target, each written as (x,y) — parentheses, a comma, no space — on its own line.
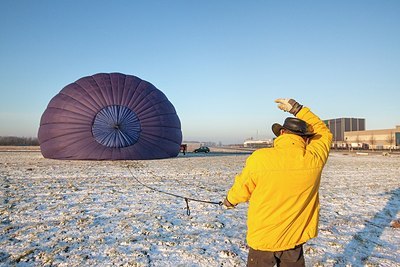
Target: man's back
(284,204)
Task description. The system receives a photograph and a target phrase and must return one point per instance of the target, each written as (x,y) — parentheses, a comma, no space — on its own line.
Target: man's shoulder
(263,152)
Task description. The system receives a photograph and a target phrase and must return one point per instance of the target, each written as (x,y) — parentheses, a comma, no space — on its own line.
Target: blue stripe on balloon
(116,126)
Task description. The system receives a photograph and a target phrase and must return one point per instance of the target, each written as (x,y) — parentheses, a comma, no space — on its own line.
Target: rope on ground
(174,195)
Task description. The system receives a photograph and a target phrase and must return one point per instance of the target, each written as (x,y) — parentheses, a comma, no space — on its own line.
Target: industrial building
(341,125)
(351,133)
(258,143)
(373,139)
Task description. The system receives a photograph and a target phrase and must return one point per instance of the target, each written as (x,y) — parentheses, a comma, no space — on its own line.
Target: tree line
(18,141)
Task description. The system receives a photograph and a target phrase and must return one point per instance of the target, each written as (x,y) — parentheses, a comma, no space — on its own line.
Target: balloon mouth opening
(116,126)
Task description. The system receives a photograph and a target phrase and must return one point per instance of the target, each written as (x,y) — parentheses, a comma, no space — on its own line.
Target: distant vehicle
(202,149)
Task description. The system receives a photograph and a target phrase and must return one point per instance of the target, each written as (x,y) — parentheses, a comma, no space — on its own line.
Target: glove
(289,105)
(228,204)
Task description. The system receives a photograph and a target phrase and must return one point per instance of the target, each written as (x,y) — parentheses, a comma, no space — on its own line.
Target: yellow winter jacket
(281,185)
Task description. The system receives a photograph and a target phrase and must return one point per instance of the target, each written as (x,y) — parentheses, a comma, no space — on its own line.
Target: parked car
(202,149)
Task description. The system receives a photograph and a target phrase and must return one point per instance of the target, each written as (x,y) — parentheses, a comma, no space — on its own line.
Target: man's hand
(228,204)
(288,105)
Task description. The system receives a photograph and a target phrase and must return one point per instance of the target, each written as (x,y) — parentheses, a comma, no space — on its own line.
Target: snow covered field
(81,213)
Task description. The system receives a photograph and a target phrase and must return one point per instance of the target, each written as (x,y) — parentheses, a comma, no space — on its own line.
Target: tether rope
(174,195)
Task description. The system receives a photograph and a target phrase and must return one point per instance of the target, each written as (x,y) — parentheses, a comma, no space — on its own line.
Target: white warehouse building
(373,139)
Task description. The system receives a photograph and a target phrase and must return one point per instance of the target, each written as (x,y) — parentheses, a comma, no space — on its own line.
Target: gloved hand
(228,204)
(289,105)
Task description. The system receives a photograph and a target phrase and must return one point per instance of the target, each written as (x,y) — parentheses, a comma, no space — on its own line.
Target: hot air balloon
(110,116)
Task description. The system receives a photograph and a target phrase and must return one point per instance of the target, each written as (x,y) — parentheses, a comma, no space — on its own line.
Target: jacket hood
(287,140)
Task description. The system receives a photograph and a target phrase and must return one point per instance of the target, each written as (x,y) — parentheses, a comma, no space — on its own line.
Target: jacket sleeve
(320,143)
(244,184)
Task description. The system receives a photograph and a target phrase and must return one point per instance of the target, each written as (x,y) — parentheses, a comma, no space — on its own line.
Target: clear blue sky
(221,63)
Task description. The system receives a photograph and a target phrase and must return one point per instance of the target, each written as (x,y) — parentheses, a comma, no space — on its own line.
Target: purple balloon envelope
(110,117)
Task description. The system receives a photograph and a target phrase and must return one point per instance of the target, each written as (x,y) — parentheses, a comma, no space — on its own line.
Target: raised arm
(321,142)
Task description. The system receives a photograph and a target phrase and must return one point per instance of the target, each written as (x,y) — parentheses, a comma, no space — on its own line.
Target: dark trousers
(286,258)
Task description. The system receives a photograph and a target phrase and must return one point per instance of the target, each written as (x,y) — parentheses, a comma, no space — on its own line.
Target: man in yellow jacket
(281,185)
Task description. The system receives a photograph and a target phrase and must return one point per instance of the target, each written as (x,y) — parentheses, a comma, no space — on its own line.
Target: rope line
(175,195)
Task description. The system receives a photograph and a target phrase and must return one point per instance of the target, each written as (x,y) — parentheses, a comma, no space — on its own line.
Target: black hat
(294,125)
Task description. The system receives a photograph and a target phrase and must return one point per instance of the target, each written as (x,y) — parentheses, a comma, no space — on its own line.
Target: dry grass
(19,148)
